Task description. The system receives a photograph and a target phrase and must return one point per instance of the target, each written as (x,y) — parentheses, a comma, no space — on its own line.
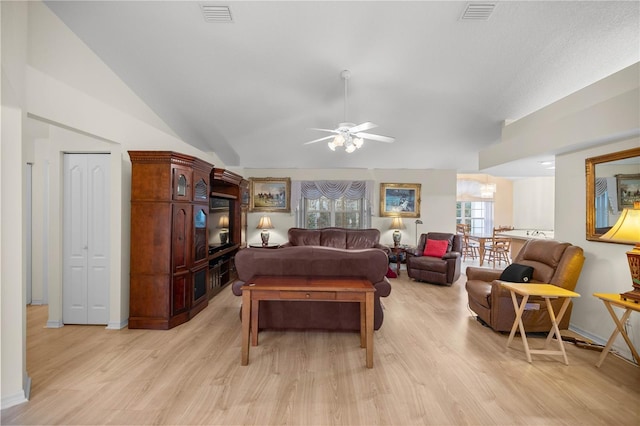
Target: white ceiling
(251,90)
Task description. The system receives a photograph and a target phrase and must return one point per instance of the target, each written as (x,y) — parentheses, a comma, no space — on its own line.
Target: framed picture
(628,190)
(400,199)
(270,195)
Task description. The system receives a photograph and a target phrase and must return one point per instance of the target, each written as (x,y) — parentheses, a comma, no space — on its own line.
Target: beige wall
(437,196)
(605,269)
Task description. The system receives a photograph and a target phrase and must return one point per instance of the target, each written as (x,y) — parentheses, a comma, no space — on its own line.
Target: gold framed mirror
(613,183)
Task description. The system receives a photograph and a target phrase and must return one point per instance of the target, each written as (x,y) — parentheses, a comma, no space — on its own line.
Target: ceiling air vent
(216,14)
(478,11)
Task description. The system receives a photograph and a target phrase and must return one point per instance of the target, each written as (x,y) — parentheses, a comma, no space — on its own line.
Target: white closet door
(85,288)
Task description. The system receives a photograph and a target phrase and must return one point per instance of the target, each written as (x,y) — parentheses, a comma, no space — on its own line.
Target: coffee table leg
(255,311)
(363,324)
(246,315)
(369,328)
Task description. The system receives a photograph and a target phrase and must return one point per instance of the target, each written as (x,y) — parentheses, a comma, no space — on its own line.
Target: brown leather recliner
(445,270)
(553,262)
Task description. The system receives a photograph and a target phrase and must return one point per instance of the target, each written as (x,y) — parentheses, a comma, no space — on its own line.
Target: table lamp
(264,224)
(223,224)
(627,229)
(396,223)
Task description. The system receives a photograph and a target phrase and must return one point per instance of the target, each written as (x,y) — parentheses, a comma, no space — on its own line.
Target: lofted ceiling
(251,90)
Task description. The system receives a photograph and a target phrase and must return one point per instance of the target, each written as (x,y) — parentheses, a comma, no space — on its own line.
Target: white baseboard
(622,350)
(115,325)
(15,399)
(54,324)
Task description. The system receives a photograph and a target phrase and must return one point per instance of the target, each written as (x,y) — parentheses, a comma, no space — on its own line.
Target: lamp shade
(627,228)
(223,222)
(265,223)
(396,223)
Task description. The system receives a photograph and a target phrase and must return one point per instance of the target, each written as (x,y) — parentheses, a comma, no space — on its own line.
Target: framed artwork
(400,199)
(270,195)
(628,190)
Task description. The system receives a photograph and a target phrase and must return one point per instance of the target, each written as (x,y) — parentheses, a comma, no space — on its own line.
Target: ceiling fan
(349,135)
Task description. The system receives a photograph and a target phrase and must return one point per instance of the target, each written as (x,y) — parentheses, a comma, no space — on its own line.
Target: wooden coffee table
(302,288)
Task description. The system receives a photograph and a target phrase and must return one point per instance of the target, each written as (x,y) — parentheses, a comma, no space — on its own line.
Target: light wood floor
(433,364)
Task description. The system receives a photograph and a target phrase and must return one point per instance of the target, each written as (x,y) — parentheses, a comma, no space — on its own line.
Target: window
(323,212)
(323,204)
(478,215)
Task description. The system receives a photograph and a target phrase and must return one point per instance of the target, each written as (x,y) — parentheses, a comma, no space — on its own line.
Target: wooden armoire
(169,241)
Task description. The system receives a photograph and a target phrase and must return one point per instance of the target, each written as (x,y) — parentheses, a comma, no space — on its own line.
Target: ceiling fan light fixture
(331,145)
(338,140)
(358,142)
(350,148)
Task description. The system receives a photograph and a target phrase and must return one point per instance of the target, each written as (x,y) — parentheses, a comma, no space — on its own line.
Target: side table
(268,246)
(615,300)
(398,251)
(547,292)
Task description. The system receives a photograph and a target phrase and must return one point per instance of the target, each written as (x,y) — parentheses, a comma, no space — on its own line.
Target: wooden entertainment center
(176,264)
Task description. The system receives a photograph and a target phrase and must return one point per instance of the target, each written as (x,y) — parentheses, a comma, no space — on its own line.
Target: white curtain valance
(334,189)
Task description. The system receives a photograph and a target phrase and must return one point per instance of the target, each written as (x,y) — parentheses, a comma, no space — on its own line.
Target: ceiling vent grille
(478,11)
(216,14)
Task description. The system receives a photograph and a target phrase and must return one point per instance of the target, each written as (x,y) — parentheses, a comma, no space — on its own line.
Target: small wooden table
(481,239)
(397,251)
(615,300)
(301,288)
(547,292)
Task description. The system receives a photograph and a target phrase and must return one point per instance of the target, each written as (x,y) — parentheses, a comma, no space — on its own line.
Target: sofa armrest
(236,287)
(383,247)
(482,274)
(383,288)
(414,252)
(451,255)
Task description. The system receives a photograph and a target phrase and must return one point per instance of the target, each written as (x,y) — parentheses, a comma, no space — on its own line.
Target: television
(221,214)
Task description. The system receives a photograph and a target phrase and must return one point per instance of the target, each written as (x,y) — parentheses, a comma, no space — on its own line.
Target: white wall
(605,269)
(437,206)
(534,203)
(13,369)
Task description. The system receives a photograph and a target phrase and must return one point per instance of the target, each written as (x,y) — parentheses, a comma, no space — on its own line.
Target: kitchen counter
(528,234)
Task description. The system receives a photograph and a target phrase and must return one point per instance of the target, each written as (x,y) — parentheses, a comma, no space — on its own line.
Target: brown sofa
(445,270)
(553,262)
(341,238)
(318,261)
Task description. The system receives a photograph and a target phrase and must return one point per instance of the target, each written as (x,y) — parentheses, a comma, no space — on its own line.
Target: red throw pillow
(436,248)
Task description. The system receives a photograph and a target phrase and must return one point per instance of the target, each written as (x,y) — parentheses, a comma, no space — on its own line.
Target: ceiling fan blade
(362,127)
(325,130)
(379,138)
(319,140)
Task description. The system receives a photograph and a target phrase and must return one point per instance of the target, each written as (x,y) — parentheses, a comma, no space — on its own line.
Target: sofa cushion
(365,238)
(436,248)
(304,237)
(331,237)
(548,252)
(517,273)
(429,263)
